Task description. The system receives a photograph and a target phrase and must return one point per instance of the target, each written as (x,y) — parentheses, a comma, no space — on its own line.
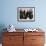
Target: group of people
(26,14)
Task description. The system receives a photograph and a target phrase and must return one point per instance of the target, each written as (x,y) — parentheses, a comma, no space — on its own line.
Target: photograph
(26,14)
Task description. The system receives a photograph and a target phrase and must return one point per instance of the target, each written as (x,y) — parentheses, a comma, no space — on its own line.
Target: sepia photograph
(26,14)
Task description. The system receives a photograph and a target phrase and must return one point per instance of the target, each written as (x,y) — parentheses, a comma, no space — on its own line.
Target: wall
(9,13)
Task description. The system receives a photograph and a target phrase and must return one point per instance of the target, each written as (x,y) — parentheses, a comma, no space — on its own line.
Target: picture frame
(26,14)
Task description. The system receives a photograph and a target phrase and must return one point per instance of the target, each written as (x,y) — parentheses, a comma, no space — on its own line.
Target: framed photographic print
(26,14)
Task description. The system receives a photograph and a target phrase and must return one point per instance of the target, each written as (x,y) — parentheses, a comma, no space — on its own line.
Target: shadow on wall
(2,26)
